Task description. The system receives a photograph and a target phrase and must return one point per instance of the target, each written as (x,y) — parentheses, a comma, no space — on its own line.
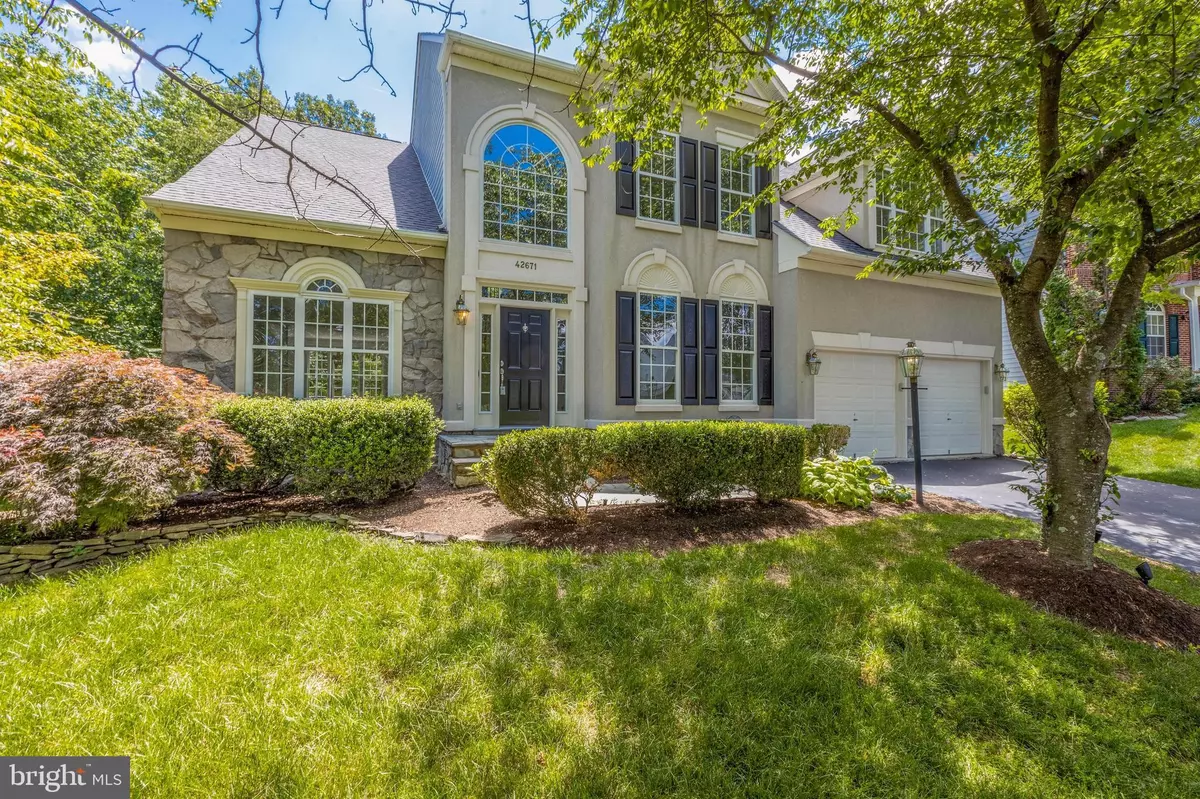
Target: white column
(1194,322)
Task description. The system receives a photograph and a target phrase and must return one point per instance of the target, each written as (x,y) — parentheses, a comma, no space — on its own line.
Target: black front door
(524,367)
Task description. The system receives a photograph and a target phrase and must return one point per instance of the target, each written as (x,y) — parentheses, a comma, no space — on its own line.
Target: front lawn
(1167,451)
(849,661)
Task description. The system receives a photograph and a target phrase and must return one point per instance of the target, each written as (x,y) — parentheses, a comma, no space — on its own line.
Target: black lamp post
(910,360)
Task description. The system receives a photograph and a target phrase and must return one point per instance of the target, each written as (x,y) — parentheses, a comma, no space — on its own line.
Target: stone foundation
(200,303)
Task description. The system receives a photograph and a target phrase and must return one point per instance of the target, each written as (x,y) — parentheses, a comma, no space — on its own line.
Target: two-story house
(484,265)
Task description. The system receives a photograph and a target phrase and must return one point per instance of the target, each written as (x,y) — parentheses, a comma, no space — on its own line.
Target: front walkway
(1157,520)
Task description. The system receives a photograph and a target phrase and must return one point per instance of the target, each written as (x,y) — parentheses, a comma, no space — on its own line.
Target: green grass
(1166,451)
(301,661)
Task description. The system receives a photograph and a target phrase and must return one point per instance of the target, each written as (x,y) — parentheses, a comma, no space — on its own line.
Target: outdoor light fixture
(1099,534)
(1002,373)
(1145,572)
(910,360)
(814,362)
(460,311)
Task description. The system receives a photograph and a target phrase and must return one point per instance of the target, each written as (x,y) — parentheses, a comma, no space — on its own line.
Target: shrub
(772,457)
(1161,375)
(1024,419)
(551,471)
(850,483)
(96,440)
(360,448)
(827,440)
(1169,401)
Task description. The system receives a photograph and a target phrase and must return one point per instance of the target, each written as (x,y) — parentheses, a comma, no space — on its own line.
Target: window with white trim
(736,183)
(658,347)
(738,356)
(1156,333)
(560,366)
(326,359)
(658,181)
(898,229)
(524,187)
(485,362)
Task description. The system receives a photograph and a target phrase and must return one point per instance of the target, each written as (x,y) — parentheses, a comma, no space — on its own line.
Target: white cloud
(107,55)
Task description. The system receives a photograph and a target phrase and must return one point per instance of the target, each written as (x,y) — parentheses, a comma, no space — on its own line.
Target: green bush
(849,483)
(827,440)
(551,471)
(1160,376)
(1024,431)
(693,464)
(359,448)
(1169,401)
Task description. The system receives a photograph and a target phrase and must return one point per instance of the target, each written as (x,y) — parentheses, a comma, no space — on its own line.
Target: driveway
(1157,520)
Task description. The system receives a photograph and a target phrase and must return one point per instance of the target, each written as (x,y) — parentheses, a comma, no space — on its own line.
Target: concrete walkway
(1157,520)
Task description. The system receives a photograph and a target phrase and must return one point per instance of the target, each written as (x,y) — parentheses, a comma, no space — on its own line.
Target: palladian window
(524,188)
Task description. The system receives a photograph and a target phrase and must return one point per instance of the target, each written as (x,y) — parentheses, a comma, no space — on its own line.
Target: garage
(860,390)
(952,408)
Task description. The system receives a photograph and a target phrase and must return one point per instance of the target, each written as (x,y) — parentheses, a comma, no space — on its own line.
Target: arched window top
(738,280)
(525,187)
(324,285)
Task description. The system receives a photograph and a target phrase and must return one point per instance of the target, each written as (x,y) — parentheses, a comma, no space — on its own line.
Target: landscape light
(1145,572)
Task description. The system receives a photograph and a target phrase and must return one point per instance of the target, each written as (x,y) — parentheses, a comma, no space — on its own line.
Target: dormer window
(658,180)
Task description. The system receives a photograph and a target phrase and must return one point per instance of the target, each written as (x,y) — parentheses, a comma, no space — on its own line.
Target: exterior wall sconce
(460,311)
(1002,373)
(814,362)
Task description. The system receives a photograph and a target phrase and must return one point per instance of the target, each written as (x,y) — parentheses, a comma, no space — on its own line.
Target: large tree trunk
(1078,457)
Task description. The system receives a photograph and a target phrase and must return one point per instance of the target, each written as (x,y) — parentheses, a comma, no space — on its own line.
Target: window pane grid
(737,351)
(897,228)
(324,345)
(524,188)
(560,369)
(1156,334)
(737,187)
(485,363)
(273,345)
(658,336)
(657,182)
(525,295)
(370,343)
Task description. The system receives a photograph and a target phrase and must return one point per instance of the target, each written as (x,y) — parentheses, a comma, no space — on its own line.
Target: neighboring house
(592,294)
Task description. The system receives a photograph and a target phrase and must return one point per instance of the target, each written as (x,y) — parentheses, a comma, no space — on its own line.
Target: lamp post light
(910,361)
(814,362)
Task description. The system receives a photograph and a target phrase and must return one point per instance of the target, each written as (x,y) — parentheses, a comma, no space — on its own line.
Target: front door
(524,367)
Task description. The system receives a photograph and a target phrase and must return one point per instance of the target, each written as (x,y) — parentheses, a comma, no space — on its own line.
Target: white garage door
(951,414)
(860,390)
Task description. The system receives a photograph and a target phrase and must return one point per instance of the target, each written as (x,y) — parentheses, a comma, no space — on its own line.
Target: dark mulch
(433,507)
(212,505)
(1104,598)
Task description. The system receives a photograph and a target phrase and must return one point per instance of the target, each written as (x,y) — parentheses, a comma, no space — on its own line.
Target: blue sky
(302,51)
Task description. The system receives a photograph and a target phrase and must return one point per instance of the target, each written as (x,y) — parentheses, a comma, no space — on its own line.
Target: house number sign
(532,265)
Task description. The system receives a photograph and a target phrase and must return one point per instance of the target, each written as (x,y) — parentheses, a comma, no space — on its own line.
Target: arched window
(524,188)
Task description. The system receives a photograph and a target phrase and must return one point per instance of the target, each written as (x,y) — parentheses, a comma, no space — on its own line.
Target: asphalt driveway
(1157,520)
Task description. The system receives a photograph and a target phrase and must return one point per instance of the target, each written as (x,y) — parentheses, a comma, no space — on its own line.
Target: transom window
(343,347)
(737,188)
(1156,333)
(658,347)
(738,355)
(658,181)
(524,295)
(524,188)
(898,229)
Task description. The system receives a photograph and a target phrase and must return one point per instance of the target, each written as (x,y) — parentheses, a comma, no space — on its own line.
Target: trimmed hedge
(772,459)
(550,471)
(361,448)
(827,440)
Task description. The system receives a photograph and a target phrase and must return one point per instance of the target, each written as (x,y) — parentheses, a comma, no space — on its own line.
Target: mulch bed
(434,507)
(212,505)
(1104,598)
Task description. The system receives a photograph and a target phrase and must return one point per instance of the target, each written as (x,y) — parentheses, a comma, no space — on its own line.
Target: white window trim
(927,220)
(481,162)
(297,277)
(1161,315)
(490,315)
(721,190)
(674,223)
(732,404)
(663,404)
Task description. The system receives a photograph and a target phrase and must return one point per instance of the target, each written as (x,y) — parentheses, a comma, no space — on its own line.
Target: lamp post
(910,360)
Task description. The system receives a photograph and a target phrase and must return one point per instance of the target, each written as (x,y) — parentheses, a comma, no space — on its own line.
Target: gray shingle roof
(800,224)
(245,174)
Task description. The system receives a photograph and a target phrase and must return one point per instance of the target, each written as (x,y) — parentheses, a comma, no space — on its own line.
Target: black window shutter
(709,202)
(762,214)
(1173,335)
(766,355)
(710,353)
(1144,336)
(689,183)
(626,348)
(626,196)
(690,350)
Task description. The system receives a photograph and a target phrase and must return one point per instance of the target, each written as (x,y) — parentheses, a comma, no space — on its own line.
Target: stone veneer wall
(200,303)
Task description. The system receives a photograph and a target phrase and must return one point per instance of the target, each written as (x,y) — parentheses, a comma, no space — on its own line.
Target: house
(483,265)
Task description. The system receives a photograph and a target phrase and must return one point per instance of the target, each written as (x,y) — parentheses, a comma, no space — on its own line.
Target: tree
(332,113)
(1072,120)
